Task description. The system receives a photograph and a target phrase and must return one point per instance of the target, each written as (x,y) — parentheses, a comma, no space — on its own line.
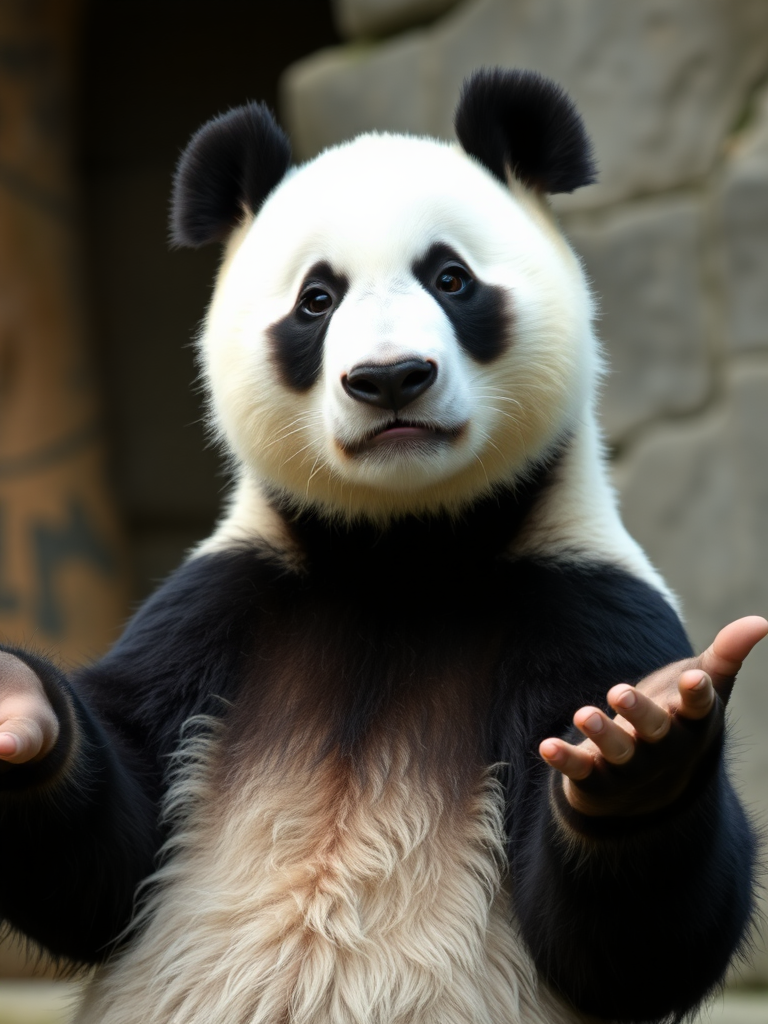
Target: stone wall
(675,239)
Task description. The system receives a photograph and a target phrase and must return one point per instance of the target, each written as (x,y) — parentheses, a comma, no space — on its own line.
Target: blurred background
(106,477)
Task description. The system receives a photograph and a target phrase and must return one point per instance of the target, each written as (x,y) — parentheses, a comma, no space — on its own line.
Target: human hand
(644,758)
(29,726)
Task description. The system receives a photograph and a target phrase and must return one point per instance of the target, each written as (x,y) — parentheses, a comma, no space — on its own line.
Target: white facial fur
(371,209)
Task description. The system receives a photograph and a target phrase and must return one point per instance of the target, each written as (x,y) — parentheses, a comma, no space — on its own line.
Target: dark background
(150,73)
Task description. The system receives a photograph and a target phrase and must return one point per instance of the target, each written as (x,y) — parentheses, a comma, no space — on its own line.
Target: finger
(576,762)
(724,657)
(9,744)
(21,740)
(648,719)
(697,694)
(29,727)
(614,743)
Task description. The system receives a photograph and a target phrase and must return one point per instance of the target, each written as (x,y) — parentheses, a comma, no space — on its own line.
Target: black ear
(521,121)
(229,167)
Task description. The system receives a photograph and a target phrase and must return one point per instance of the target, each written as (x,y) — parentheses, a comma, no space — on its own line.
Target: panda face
(396,330)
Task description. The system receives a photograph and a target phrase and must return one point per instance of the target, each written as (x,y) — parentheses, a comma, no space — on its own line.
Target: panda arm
(80,827)
(79,831)
(639,924)
(634,918)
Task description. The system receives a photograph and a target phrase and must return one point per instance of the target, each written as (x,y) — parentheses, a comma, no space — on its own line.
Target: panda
(417,735)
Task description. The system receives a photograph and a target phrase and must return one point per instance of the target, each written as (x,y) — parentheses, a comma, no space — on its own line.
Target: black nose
(390,385)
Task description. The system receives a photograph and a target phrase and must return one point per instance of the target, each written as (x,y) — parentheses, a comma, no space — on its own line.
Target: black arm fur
(634,919)
(80,830)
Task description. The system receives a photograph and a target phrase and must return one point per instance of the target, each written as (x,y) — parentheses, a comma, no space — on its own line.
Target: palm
(643,759)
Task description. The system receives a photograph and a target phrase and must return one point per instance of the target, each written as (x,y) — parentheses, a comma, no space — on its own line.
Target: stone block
(321,102)
(744,219)
(660,84)
(695,495)
(644,263)
(360,18)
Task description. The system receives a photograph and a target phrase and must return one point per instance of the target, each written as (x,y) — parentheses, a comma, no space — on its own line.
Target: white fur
(578,519)
(300,899)
(371,208)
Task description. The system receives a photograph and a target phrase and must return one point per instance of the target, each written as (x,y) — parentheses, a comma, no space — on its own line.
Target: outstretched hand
(642,759)
(29,727)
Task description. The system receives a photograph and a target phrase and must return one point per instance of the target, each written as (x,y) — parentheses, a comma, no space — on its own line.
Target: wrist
(57,726)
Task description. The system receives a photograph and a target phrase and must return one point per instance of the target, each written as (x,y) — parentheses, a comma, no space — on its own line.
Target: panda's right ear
(228,169)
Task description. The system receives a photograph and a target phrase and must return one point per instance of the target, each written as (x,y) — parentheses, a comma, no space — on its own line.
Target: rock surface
(659,84)
(38,1002)
(744,213)
(696,497)
(360,18)
(644,262)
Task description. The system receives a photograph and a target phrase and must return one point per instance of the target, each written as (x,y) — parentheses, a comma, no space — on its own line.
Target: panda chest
(350,775)
(339,846)
(344,825)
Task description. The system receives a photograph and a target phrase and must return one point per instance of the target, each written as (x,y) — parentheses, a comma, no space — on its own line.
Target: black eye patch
(298,339)
(479,312)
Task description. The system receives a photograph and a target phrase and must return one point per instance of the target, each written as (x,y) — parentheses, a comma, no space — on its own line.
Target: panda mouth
(402,434)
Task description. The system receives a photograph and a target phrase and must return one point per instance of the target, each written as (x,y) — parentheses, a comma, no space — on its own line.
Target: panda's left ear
(228,169)
(521,122)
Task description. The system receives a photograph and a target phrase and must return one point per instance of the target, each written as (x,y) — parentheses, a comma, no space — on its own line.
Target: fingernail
(701,683)
(9,744)
(594,723)
(628,699)
(551,751)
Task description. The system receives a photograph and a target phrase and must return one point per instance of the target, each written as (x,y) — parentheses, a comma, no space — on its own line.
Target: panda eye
(453,279)
(316,301)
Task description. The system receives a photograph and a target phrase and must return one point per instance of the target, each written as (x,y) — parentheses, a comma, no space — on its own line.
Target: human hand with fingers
(643,759)
(29,726)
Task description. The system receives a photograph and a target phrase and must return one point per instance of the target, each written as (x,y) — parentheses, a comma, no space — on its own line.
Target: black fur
(427,628)
(480,314)
(77,838)
(298,339)
(227,170)
(658,897)
(87,838)
(522,122)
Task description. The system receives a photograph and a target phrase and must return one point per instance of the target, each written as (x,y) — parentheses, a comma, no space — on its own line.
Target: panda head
(397,326)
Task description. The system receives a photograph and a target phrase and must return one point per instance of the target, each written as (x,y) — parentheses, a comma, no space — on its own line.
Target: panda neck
(478,532)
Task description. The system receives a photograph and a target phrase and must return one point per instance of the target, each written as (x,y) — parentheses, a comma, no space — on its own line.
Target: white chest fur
(311,895)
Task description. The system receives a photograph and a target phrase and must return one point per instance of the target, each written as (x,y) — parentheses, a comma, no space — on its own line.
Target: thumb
(21,740)
(724,656)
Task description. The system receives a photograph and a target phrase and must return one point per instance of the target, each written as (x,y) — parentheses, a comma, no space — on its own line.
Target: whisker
(288,433)
(503,412)
(300,450)
(501,398)
(482,466)
(315,469)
